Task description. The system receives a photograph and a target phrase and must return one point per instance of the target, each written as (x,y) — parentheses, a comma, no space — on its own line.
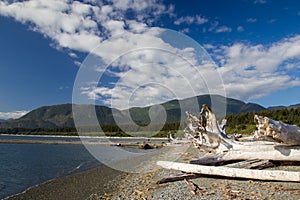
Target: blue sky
(255,45)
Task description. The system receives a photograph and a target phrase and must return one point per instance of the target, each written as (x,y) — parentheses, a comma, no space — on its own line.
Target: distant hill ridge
(58,116)
(281,107)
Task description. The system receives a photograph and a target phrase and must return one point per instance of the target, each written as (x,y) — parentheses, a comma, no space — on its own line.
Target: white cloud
(77,63)
(185,30)
(79,25)
(223,29)
(253,71)
(208,46)
(13,114)
(251,20)
(151,69)
(260,1)
(73,55)
(240,29)
(190,20)
(219,29)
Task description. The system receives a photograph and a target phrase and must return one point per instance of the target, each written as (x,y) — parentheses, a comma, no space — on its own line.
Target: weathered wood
(273,175)
(261,151)
(276,130)
(225,149)
(211,160)
(177,178)
(251,164)
(194,187)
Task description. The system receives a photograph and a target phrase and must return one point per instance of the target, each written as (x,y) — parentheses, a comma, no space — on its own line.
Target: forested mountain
(60,116)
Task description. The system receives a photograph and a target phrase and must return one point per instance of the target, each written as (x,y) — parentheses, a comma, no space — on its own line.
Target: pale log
(272,175)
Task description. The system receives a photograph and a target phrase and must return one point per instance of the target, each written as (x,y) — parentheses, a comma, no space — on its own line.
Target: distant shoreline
(86,136)
(159,142)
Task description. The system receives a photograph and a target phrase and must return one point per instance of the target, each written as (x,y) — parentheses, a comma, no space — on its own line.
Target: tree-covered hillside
(244,122)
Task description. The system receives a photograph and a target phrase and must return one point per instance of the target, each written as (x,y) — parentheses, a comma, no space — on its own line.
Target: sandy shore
(106,183)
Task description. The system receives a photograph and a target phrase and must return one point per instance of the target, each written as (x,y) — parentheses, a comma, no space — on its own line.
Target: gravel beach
(107,183)
(79,186)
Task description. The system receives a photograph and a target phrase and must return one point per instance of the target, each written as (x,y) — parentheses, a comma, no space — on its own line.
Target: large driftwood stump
(207,135)
(278,131)
(213,139)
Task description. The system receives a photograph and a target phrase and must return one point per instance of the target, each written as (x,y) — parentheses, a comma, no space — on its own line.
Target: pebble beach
(107,183)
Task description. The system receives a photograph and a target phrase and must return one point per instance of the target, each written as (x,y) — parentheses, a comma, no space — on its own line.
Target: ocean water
(26,165)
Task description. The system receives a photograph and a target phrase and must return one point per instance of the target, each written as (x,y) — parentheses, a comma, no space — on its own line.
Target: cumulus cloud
(144,64)
(191,20)
(82,26)
(253,71)
(153,74)
(13,114)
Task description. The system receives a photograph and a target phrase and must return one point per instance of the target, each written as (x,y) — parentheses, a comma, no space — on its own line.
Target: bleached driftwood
(206,134)
(252,164)
(278,131)
(178,140)
(213,139)
(273,175)
(248,164)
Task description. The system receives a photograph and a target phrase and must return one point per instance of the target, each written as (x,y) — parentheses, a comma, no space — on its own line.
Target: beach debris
(146,146)
(240,159)
(177,178)
(195,189)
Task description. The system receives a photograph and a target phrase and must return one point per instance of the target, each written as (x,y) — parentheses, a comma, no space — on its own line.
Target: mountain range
(58,116)
(280,107)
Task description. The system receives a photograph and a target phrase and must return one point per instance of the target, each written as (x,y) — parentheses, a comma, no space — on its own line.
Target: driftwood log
(213,139)
(277,131)
(246,158)
(274,175)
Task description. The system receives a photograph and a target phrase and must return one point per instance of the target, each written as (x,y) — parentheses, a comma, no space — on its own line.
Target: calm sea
(26,165)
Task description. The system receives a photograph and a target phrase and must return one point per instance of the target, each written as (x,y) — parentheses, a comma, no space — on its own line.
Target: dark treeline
(236,123)
(244,122)
(109,130)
